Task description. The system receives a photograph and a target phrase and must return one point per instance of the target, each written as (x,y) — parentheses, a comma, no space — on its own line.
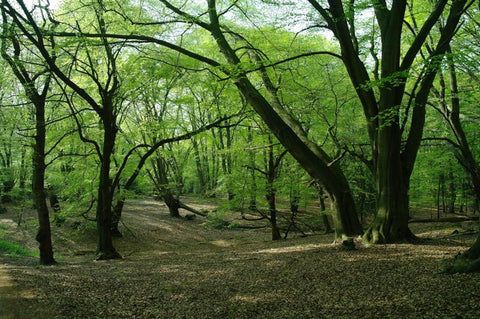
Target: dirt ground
(177,268)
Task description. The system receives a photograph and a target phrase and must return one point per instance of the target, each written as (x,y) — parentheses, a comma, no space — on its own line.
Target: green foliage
(313,221)
(15,250)
(218,220)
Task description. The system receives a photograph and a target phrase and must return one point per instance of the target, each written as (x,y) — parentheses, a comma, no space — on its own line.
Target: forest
(239,159)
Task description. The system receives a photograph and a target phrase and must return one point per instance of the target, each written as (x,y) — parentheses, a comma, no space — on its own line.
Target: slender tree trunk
(44,236)
(251,159)
(469,261)
(451,192)
(23,170)
(326,222)
(200,171)
(271,175)
(273,214)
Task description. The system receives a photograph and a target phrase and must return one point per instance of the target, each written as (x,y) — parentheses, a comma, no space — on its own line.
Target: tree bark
(326,222)
(105,249)
(44,236)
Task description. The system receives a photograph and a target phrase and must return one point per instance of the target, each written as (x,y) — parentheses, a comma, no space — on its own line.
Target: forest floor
(178,268)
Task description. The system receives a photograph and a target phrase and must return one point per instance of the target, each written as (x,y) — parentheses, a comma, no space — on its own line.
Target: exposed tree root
(463,265)
(467,262)
(376,235)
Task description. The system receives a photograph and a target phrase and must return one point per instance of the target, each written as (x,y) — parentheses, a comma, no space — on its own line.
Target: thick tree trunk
(172,203)
(44,236)
(467,262)
(105,249)
(391,221)
(163,187)
(392,167)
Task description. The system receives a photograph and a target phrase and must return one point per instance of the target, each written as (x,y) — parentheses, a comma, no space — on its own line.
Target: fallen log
(444,220)
(192,210)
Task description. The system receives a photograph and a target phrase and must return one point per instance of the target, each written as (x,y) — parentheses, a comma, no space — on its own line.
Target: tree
(449,105)
(271,173)
(36,84)
(105,103)
(393,158)
(314,159)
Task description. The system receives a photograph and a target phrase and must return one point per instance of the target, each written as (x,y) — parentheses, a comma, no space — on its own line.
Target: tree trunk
(469,261)
(251,160)
(116,217)
(162,184)
(200,171)
(105,249)
(326,222)
(451,192)
(391,221)
(23,171)
(44,236)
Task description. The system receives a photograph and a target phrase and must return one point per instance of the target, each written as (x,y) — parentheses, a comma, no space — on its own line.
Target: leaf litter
(174,268)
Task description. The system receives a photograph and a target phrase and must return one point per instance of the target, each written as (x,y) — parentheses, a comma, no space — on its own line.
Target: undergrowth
(15,250)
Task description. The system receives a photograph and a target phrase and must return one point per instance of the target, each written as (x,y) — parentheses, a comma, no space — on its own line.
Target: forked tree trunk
(161,181)
(381,104)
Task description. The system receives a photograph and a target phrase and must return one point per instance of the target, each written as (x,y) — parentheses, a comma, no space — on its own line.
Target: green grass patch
(15,249)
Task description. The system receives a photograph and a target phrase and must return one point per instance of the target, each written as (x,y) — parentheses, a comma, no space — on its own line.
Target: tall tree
(105,102)
(449,97)
(382,97)
(36,85)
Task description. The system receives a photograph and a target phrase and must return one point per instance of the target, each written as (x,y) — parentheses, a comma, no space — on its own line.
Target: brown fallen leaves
(180,269)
